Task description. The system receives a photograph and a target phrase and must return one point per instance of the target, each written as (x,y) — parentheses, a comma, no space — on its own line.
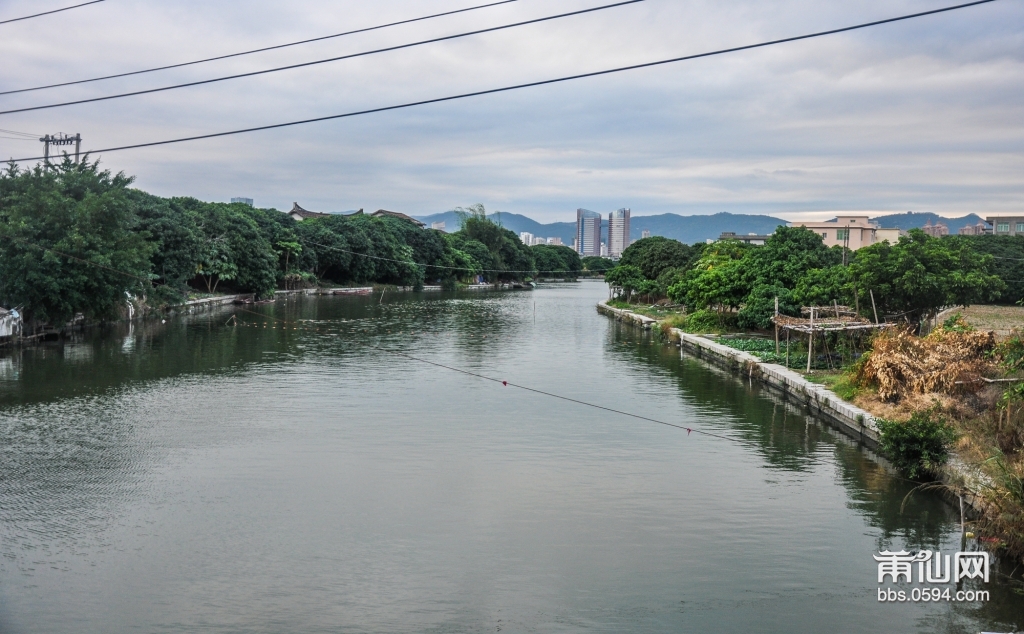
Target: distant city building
(244,201)
(526,237)
(618,232)
(575,245)
(937,230)
(979,229)
(438,226)
(645,234)
(892,236)
(555,241)
(604,250)
(750,238)
(852,232)
(588,232)
(1007,225)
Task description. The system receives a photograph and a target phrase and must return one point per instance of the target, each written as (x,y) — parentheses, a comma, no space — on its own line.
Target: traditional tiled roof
(304,214)
(380,213)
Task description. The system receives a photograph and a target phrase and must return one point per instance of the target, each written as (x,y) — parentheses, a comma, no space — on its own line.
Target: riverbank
(818,399)
(958,481)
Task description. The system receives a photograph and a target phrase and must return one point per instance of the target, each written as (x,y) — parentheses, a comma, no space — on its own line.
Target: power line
(260,50)
(323,61)
(37,15)
(530,84)
(688,430)
(24,134)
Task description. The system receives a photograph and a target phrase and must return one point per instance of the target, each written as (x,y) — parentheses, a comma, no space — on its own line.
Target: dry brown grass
(950,363)
(1000,319)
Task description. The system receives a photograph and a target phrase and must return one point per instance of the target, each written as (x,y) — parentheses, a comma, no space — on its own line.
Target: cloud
(925,115)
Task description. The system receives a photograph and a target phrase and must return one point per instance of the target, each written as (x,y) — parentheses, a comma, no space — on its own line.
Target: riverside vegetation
(951,392)
(78,240)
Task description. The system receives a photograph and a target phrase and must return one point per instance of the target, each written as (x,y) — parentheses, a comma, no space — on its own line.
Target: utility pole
(61,139)
(46,151)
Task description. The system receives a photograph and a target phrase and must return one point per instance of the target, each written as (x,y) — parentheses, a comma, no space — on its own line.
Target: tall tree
(70,242)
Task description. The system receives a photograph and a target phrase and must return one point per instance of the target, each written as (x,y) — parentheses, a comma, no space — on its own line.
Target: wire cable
(259,50)
(38,15)
(545,82)
(504,383)
(27,135)
(323,61)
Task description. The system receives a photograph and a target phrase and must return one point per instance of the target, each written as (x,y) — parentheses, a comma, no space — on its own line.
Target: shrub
(919,445)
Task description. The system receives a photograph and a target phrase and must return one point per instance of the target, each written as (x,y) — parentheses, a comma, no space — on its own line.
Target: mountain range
(690,229)
(686,229)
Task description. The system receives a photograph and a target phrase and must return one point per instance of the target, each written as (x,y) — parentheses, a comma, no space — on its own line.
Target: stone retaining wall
(817,398)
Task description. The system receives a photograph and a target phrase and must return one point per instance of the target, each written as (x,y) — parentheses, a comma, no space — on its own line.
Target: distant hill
(916,220)
(516,223)
(691,229)
(687,229)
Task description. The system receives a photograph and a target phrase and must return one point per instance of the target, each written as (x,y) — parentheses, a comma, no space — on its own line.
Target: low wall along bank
(817,398)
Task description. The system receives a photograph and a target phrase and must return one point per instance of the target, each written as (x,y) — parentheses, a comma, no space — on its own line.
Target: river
(285,474)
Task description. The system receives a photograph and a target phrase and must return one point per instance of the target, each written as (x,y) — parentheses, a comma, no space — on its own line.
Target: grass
(1001,319)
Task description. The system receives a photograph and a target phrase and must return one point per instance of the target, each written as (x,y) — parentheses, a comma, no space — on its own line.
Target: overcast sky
(926,115)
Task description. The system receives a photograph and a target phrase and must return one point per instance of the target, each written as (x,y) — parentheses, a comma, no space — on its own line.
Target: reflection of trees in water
(790,440)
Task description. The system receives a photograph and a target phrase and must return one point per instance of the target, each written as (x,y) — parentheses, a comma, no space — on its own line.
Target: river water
(281,474)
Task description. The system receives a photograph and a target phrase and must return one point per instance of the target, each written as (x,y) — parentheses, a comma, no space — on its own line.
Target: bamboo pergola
(820,319)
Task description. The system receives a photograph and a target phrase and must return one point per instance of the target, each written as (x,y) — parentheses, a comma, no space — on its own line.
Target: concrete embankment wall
(817,398)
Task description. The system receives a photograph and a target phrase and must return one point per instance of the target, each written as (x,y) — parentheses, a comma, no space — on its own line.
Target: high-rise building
(588,232)
(526,237)
(646,234)
(555,241)
(937,230)
(618,232)
(244,201)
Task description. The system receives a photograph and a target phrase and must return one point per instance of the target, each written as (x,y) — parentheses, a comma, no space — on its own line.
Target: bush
(919,445)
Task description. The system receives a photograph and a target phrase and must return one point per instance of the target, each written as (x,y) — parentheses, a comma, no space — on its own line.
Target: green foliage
(625,278)
(1010,353)
(759,306)
(704,321)
(715,280)
(654,255)
(821,287)
(918,446)
(70,242)
(552,260)
(920,274)
(596,264)
(509,257)
(956,323)
(1007,262)
(787,256)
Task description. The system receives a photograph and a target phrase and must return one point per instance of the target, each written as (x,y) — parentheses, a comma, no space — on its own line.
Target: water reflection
(279,464)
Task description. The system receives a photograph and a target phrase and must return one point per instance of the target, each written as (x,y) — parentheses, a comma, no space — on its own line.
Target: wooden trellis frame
(821,319)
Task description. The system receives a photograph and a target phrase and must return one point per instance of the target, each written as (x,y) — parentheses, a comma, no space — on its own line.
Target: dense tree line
(77,239)
(913,278)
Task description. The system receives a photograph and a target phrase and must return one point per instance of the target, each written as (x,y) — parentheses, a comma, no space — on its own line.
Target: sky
(924,115)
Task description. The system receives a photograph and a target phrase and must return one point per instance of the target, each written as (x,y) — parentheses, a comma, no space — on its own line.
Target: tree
(553,259)
(595,264)
(716,280)
(1007,262)
(70,242)
(627,279)
(510,258)
(654,255)
(919,275)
